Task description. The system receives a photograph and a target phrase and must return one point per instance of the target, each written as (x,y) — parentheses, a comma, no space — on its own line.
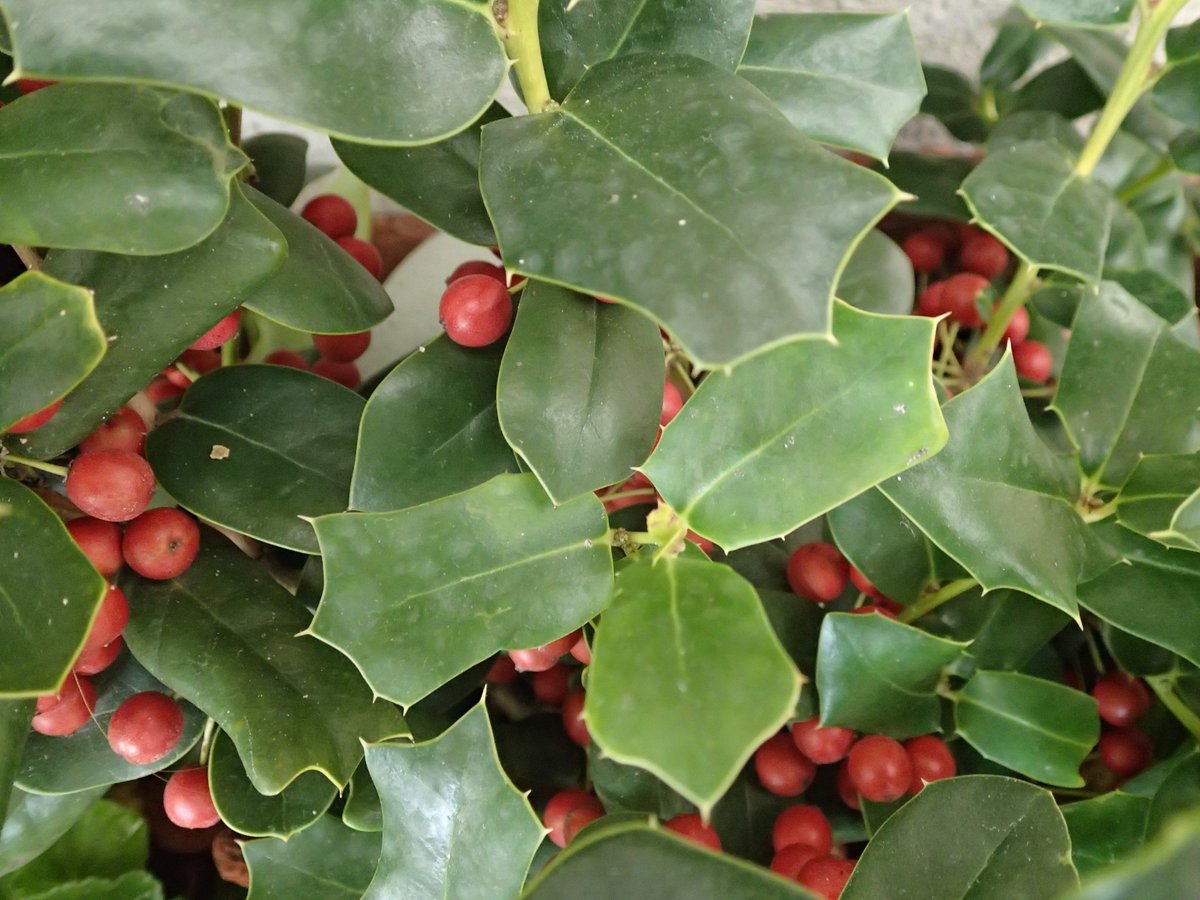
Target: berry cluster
(1122,701)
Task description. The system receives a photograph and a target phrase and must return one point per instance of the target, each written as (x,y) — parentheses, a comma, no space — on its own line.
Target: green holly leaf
(1166,867)
(577,36)
(153,165)
(280,165)
(130,886)
(800,408)
(326,860)
(1105,829)
(84,760)
(366,69)
(34,822)
(678,651)
(1030,197)
(320,286)
(363,811)
(1030,725)
(430,429)
(879,676)
(225,636)
(934,181)
(1086,13)
(707,220)
(259,449)
(14,729)
(247,811)
(1161,499)
(439,182)
(153,308)
(1018,45)
(580,389)
(879,277)
(624,789)
(501,565)
(1185,152)
(1115,414)
(1009,840)
(1004,628)
(1064,88)
(843,79)
(669,868)
(976,481)
(1175,89)
(50,592)
(954,101)
(447,802)
(49,341)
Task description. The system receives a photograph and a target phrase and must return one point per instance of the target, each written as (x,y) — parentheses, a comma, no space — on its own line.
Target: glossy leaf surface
(580,389)
(414,597)
(1008,839)
(1105,829)
(453,823)
(847,80)
(326,860)
(1161,499)
(791,421)
(154,165)
(224,635)
(14,729)
(1030,725)
(279,161)
(669,193)
(1080,12)
(430,429)
(49,341)
(387,71)
(678,651)
(1164,868)
(35,821)
(254,448)
(1005,628)
(878,277)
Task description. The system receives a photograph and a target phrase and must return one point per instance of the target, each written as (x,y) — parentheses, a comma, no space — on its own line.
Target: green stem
(1165,688)
(229,351)
(518,21)
(1164,168)
(13,458)
(928,604)
(1099,513)
(1132,82)
(1017,295)
(621,495)
(210,728)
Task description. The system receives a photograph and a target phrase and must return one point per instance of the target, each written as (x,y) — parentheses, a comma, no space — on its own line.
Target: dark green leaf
(1080,12)
(83,760)
(623,788)
(982,836)
(580,390)
(255,448)
(1116,413)
(1034,125)
(1161,499)
(491,568)
(680,219)
(130,886)
(800,408)
(244,809)
(430,429)
(878,277)
(153,165)
(1032,726)
(953,101)
(1175,92)
(35,821)
(1165,868)
(152,308)
(842,79)
(320,287)
(14,729)
(537,754)
(678,651)
(224,635)
(797,624)
(958,496)
(49,593)
(575,37)
(1179,791)
(439,182)
(1137,656)
(934,181)
(1065,88)
(1018,45)
(363,811)
(386,71)
(453,824)
(1005,628)
(878,676)
(326,860)
(49,341)
(1157,292)
(279,162)
(1185,152)
(1105,829)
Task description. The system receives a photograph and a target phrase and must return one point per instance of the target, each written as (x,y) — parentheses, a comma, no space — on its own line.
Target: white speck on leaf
(219,451)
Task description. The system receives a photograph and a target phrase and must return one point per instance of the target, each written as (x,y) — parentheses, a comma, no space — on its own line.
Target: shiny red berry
(95,660)
(1120,699)
(344,373)
(331,214)
(34,421)
(925,250)
(817,572)
(187,800)
(289,358)
(342,347)
(782,769)
(145,728)
(68,710)
(123,430)
(161,543)
(984,255)
(826,876)
(1125,751)
(802,824)
(113,485)
(1033,360)
(478,267)
(219,333)
(1017,328)
(561,805)
(822,745)
(791,860)
(364,253)
(110,620)
(100,542)
(959,294)
(475,310)
(672,403)
(932,300)
(931,760)
(572,717)
(551,685)
(879,769)
(692,827)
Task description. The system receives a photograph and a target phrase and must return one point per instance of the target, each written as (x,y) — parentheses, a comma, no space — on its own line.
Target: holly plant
(772,515)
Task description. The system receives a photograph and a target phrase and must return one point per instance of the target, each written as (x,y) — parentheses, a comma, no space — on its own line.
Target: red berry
(188,801)
(576,820)
(860,581)
(925,249)
(1033,361)
(879,769)
(29,85)
(476,311)
(792,859)
(123,430)
(782,769)
(331,214)
(113,485)
(1120,699)
(817,572)
(68,710)
(364,253)
(572,716)
(1125,751)
(845,787)
(822,745)
(932,301)
(161,543)
(983,255)
(826,876)
(478,267)
(201,361)
(100,542)
(959,295)
(96,660)
(344,373)
(1018,327)
(551,685)
(289,358)
(638,482)
(502,671)
(176,377)
(672,403)
(802,824)
(539,659)
(930,760)
(342,347)
(706,546)
(219,333)
(159,389)
(581,651)
(145,728)
(692,827)
(34,421)
(561,805)
(110,621)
